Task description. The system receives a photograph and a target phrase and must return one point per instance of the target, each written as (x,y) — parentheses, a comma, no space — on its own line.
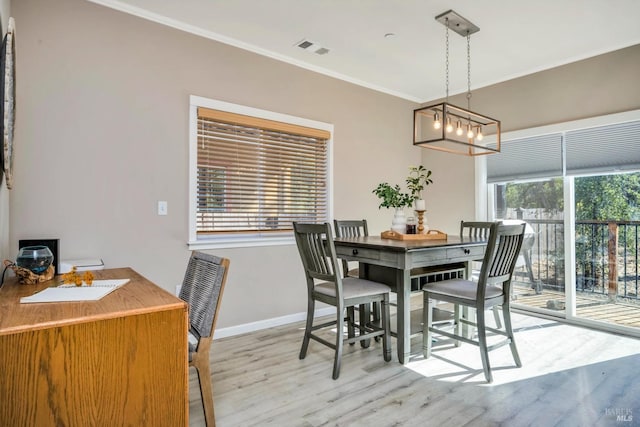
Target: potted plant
(393,197)
(419,177)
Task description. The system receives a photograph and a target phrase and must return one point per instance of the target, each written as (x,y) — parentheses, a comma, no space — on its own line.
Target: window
(211,184)
(253,173)
(577,185)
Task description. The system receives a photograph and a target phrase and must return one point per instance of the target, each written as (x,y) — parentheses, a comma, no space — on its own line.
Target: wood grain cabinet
(118,361)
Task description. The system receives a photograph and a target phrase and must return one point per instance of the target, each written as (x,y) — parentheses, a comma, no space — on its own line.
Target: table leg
(403,315)
(467,313)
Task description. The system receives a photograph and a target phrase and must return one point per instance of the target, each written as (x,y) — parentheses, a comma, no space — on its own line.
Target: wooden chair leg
(206,389)
(459,328)
(386,324)
(482,339)
(506,314)
(365,317)
(496,316)
(307,329)
(351,319)
(427,321)
(339,343)
(375,313)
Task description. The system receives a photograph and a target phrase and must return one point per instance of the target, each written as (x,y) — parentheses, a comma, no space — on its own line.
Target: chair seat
(353,287)
(465,289)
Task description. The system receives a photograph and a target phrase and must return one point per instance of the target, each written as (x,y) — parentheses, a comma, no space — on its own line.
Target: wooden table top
(407,245)
(138,296)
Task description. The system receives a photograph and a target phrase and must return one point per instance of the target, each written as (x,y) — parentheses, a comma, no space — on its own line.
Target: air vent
(313,47)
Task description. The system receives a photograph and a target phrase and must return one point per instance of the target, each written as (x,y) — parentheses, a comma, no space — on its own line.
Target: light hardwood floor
(570,377)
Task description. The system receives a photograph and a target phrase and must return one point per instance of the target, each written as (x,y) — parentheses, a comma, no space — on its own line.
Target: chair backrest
(500,256)
(318,253)
(351,228)
(202,289)
(477,229)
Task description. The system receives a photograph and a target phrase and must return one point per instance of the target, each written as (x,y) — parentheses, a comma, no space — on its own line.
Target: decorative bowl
(35,258)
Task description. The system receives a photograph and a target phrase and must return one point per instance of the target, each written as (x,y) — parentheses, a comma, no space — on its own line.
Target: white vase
(399,222)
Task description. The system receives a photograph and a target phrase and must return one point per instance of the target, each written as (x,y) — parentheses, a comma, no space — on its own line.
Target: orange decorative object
(70,277)
(88,278)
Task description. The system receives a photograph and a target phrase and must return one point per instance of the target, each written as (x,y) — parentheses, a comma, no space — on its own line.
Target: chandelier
(449,128)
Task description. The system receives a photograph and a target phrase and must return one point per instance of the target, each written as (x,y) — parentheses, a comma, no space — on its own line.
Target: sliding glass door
(577,185)
(539,280)
(607,220)
(596,281)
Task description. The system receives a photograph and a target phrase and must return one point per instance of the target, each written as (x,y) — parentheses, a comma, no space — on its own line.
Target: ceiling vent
(312,47)
(305,44)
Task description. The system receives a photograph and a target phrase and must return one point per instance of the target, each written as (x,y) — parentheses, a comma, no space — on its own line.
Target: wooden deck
(595,307)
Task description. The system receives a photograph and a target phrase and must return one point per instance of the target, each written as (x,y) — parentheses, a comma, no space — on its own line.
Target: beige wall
(604,84)
(601,85)
(102,133)
(5,251)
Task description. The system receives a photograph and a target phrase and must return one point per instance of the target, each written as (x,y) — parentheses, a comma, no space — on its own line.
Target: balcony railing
(599,246)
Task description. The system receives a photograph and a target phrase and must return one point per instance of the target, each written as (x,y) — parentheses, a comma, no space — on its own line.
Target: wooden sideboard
(121,360)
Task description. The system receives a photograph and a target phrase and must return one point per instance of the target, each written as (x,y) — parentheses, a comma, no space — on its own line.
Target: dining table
(392,262)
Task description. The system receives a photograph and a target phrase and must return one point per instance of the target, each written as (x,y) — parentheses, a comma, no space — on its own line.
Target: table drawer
(362,254)
(472,252)
(430,256)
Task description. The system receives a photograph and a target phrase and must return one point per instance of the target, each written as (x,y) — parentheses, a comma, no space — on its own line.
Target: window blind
(257,175)
(603,149)
(526,158)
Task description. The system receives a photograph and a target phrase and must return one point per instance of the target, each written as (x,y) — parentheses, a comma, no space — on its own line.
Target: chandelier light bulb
(459,128)
(469,132)
(479,137)
(449,127)
(437,124)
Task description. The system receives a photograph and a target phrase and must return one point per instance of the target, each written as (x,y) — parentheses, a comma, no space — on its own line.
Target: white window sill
(241,241)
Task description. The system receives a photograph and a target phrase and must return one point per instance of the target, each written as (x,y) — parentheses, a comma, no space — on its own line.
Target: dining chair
(202,289)
(356,228)
(326,284)
(525,252)
(350,228)
(479,230)
(493,288)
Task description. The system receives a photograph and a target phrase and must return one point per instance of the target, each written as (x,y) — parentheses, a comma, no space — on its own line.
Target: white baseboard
(269,323)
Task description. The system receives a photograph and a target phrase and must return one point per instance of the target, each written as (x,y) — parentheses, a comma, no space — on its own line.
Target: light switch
(162,207)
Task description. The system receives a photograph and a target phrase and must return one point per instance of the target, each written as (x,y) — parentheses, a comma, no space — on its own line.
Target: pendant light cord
(447,60)
(468,71)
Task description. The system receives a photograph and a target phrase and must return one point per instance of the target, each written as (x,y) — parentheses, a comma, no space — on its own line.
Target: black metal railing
(599,245)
